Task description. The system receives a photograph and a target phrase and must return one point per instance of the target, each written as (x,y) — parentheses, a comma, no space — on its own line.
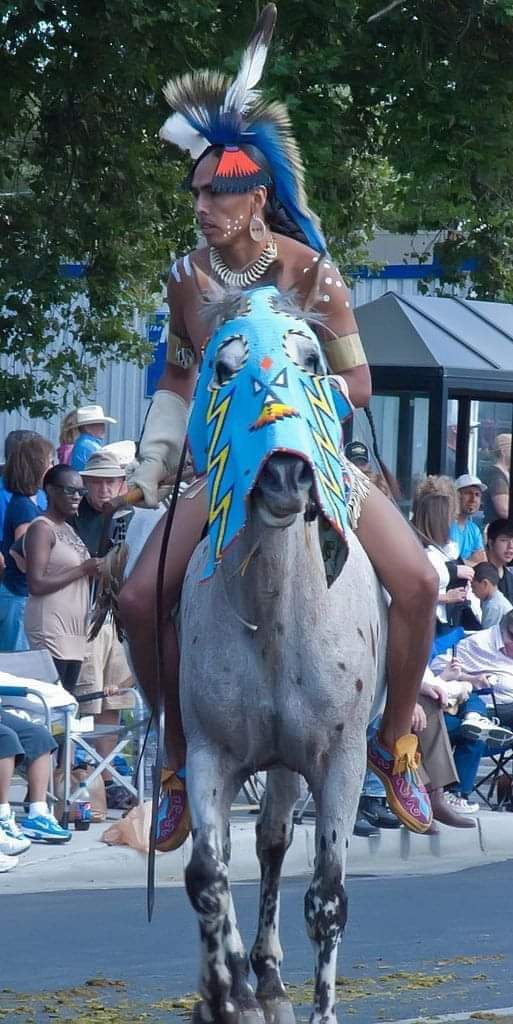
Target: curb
(87,863)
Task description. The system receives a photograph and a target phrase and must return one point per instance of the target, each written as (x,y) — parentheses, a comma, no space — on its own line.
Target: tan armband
(344,353)
(180,352)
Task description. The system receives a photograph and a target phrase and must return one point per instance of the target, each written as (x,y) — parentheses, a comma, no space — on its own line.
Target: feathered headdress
(213,110)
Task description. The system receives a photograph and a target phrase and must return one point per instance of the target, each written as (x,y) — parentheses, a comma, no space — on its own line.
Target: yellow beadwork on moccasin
(406,757)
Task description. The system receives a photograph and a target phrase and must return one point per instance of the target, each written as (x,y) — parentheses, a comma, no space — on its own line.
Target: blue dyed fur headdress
(212,110)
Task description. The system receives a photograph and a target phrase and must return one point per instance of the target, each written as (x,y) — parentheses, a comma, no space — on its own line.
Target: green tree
(405,122)
(440,76)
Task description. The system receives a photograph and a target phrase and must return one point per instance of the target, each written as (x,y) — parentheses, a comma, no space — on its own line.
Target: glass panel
(491,455)
(385,410)
(402,430)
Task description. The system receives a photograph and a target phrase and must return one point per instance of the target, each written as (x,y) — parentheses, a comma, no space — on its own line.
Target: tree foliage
(405,122)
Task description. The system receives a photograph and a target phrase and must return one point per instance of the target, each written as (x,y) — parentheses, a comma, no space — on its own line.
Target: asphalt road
(413,947)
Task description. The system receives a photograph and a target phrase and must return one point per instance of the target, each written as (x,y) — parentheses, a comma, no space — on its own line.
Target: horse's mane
(225,304)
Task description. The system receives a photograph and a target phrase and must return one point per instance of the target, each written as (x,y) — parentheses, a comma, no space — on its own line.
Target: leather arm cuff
(180,352)
(344,353)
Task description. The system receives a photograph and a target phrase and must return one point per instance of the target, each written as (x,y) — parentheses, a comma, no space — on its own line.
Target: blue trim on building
(408,271)
(399,271)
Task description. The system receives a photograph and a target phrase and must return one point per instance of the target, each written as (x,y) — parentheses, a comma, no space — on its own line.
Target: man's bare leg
(137,603)
(406,573)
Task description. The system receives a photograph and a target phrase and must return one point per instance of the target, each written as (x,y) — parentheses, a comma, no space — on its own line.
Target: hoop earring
(257,228)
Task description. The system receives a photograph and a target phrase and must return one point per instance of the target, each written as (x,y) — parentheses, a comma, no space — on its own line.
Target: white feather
(178,131)
(240,93)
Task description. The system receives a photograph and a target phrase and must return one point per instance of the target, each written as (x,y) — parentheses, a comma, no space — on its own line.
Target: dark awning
(452,334)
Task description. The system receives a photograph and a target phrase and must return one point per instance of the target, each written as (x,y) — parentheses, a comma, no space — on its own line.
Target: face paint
(256,395)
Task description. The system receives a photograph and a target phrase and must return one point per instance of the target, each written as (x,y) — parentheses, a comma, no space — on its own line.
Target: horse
(282,655)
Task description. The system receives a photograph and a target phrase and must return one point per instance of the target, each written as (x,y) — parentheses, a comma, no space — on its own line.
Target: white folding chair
(20,667)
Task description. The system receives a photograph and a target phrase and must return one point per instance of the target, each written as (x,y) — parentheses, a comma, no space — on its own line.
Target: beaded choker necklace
(243,278)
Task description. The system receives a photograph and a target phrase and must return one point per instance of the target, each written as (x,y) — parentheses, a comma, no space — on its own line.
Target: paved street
(414,946)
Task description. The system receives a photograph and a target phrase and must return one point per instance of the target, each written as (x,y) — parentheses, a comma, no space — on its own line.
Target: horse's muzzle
(283,489)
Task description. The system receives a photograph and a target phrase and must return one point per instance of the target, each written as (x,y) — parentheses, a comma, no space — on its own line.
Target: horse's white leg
(237,959)
(336,797)
(211,786)
(274,835)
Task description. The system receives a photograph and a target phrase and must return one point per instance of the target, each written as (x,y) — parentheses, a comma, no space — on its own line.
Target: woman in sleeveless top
(58,571)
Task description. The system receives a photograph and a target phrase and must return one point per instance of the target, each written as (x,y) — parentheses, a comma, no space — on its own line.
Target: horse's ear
(313,281)
(209,289)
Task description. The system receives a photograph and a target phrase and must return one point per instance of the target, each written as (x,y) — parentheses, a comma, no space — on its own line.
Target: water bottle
(83,809)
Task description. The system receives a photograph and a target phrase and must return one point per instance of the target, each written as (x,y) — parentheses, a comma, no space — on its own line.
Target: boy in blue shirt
(92,427)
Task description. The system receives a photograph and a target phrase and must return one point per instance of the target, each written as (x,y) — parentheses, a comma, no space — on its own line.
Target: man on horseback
(247,184)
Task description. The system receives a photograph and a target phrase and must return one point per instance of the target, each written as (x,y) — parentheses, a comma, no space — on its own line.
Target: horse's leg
(336,795)
(211,786)
(274,835)
(237,959)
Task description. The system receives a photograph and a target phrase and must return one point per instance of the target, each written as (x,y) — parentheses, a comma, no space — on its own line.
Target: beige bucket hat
(103,463)
(92,414)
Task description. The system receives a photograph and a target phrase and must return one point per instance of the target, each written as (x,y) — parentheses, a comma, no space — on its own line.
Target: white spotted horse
(283,634)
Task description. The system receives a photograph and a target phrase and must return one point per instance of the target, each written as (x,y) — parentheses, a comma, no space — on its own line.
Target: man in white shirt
(486,658)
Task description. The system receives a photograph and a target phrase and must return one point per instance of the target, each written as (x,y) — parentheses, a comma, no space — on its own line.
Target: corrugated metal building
(121,387)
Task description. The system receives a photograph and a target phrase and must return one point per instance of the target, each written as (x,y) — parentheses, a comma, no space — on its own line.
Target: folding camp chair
(501,760)
(29,665)
(39,665)
(124,735)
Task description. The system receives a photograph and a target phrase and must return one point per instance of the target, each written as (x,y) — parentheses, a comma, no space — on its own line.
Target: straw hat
(92,414)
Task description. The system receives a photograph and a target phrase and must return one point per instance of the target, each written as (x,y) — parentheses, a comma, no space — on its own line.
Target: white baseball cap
(467,480)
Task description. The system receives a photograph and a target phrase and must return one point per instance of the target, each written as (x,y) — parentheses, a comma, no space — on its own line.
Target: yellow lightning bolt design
(320,405)
(216,464)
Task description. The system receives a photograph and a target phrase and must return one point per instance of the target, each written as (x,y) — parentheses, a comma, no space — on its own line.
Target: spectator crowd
(465,707)
(54,538)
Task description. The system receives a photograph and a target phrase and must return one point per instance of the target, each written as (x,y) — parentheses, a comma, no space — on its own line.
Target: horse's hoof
(278,1011)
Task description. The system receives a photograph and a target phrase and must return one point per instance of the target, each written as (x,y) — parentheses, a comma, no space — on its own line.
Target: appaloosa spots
(360,633)
(341,665)
(333,836)
(358,686)
(339,727)
(280,628)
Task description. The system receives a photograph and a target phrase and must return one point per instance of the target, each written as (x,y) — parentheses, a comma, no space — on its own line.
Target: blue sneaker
(45,829)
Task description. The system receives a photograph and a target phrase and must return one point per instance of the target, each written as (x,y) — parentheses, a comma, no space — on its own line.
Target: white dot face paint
(328,280)
(315,259)
(338,284)
(326,298)
(347,304)
(327,265)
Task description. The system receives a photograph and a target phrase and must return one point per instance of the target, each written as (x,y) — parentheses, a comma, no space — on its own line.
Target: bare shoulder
(313,276)
(181,273)
(295,258)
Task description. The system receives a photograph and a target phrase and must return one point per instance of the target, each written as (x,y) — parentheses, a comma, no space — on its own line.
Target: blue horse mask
(253,399)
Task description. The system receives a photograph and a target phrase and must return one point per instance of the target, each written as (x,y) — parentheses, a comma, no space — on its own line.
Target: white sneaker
(460,803)
(7,863)
(479,727)
(12,844)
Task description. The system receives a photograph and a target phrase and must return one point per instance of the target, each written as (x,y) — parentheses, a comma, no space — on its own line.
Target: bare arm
(476,557)
(501,504)
(21,530)
(340,337)
(38,545)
